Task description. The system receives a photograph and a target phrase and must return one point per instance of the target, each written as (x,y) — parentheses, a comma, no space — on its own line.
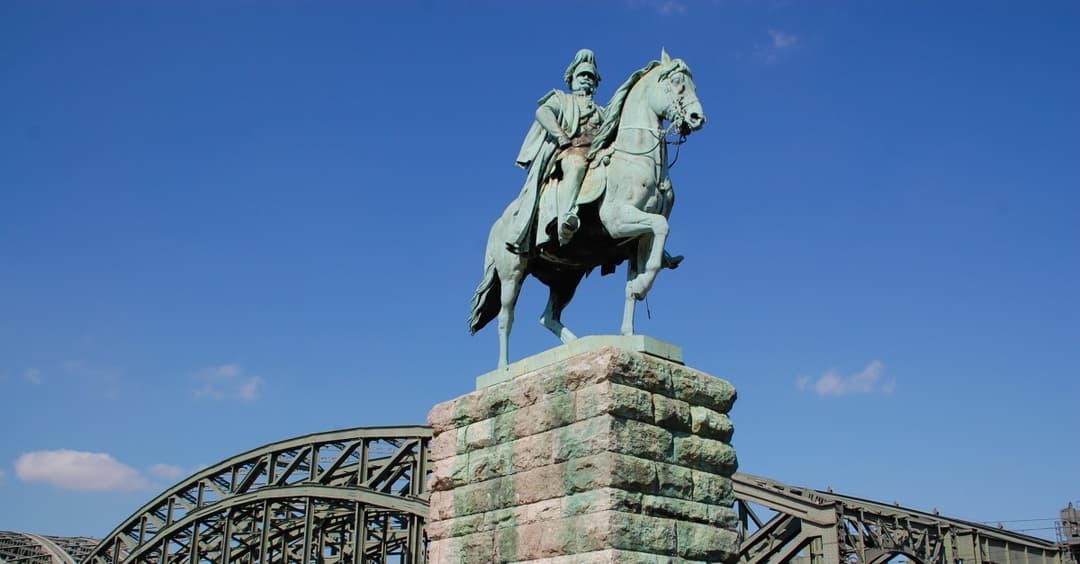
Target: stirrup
(567,228)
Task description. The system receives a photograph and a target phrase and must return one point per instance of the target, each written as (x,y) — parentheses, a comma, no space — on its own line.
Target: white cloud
(32,375)
(870,380)
(780,42)
(226,382)
(169,472)
(76,470)
(783,40)
(662,7)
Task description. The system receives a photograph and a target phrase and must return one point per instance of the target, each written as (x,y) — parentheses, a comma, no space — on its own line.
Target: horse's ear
(664,57)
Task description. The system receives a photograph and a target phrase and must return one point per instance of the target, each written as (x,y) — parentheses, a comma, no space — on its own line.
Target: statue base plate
(631,343)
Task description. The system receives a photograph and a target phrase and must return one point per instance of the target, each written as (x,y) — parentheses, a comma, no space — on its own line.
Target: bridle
(676,116)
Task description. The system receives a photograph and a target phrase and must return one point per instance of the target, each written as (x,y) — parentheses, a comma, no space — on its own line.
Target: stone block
(584,438)
(449,473)
(675,481)
(547,413)
(697,541)
(671,414)
(697,388)
(714,489)
(454,413)
(533,452)
(705,454)
(643,440)
(710,424)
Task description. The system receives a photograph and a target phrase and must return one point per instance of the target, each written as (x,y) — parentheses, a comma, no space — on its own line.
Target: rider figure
(556,147)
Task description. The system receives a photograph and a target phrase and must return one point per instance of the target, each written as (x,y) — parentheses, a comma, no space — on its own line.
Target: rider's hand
(564,141)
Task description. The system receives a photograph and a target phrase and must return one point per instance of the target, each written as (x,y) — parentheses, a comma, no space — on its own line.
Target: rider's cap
(584,58)
(586,68)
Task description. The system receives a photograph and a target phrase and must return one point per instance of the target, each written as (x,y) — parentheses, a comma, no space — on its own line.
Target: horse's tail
(486,300)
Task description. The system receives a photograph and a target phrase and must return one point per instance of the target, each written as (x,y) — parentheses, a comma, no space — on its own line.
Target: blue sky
(228,223)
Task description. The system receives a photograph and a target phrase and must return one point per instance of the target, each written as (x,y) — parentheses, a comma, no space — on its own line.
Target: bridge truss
(356,495)
(25,548)
(816,527)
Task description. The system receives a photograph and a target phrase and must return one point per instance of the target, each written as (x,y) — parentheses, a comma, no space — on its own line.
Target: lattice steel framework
(819,527)
(356,496)
(25,548)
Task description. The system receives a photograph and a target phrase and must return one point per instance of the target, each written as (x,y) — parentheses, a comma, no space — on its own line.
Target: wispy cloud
(32,375)
(226,382)
(780,43)
(169,472)
(870,380)
(662,7)
(77,470)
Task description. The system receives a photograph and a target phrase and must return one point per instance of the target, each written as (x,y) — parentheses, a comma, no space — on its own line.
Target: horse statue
(624,202)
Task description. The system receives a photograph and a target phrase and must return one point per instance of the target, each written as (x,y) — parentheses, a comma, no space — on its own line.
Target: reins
(661,138)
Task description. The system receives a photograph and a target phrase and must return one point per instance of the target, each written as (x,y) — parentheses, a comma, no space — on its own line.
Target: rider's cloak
(537,154)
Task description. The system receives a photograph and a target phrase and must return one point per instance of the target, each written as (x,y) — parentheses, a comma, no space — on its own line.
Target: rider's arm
(549,120)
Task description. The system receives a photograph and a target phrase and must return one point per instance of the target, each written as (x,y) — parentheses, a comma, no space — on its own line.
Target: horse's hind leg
(509,289)
(560,294)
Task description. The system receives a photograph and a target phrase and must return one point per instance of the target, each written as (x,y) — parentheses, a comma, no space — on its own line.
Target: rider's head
(582,73)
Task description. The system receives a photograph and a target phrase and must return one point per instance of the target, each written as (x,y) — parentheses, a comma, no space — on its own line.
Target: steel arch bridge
(356,495)
(26,548)
(822,527)
(359,496)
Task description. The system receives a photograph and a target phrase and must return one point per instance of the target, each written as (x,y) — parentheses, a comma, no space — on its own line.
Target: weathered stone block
(706,542)
(642,533)
(449,473)
(714,489)
(546,414)
(671,414)
(675,481)
(533,452)
(642,439)
(584,438)
(479,435)
(710,424)
(705,454)
(701,389)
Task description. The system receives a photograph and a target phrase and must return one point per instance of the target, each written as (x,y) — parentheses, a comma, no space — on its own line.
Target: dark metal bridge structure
(360,496)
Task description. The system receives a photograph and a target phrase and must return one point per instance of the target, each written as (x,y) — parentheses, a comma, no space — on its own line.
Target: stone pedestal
(608,455)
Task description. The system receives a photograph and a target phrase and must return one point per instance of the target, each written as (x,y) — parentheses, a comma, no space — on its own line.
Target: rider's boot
(568,225)
(669,261)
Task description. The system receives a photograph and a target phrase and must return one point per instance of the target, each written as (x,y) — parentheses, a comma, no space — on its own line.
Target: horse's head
(674,98)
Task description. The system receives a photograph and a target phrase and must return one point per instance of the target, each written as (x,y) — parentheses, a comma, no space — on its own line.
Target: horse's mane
(613,113)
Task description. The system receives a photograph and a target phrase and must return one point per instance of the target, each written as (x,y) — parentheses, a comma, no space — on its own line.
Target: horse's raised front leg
(633,271)
(630,304)
(628,221)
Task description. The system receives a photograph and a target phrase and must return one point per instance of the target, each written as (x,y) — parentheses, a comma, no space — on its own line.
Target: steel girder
(25,548)
(356,495)
(827,528)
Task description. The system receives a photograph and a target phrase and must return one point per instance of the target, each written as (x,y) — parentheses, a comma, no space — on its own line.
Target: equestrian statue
(597,193)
